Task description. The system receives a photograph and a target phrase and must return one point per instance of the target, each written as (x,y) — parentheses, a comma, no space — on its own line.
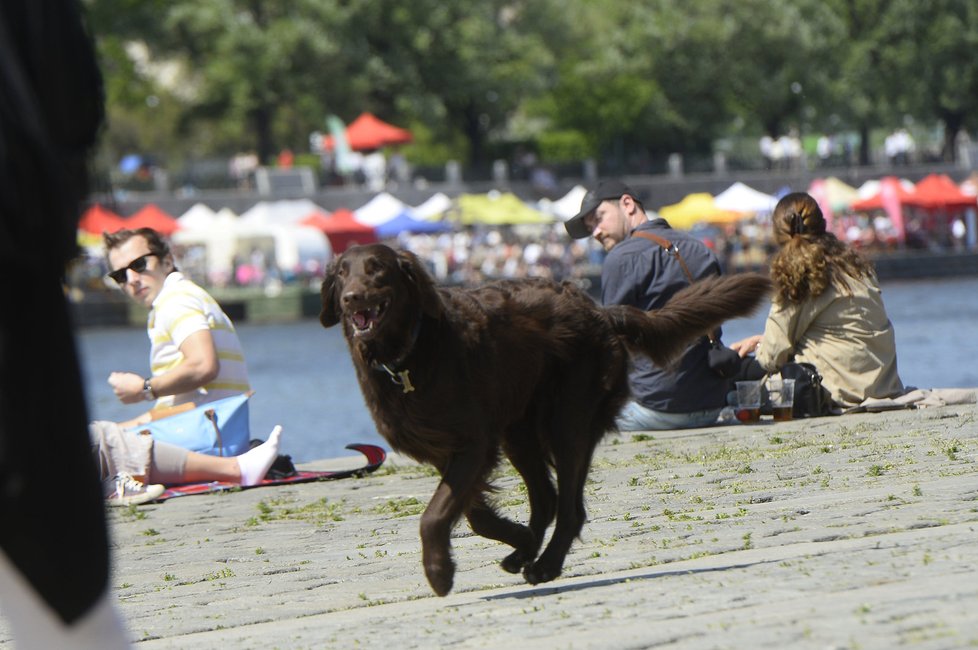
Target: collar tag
(401,378)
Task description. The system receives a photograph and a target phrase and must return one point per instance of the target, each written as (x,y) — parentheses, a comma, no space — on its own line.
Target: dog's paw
(441,577)
(515,561)
(540,572)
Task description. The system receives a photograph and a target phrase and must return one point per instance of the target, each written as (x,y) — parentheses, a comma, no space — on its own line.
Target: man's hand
(127,386)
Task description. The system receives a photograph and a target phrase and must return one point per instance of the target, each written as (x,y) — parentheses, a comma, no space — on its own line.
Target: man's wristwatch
(148,393)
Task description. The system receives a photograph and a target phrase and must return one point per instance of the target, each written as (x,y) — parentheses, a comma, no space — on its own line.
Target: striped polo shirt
(181,309)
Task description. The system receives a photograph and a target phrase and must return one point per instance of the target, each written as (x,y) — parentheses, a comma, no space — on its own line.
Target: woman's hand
(746,346)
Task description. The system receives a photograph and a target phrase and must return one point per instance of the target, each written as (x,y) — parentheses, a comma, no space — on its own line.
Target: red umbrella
(938,191)
(151,216)
(369,132)
(341,229)
(98,219)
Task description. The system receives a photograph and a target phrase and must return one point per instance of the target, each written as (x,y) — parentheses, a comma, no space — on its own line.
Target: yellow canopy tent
(697,208)
(494,209)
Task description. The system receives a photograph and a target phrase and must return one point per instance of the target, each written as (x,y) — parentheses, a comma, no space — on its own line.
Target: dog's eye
(373,266)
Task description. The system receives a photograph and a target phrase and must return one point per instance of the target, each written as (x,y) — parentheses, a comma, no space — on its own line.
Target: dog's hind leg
(572,463)
(485,521)
(529,462)
(452,497)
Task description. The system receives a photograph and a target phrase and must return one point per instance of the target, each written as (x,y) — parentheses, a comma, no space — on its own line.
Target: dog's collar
(401,377)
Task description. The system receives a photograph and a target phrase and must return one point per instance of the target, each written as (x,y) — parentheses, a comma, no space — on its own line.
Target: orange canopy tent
(369,132)
(151,216)
(939,192)
(341,229)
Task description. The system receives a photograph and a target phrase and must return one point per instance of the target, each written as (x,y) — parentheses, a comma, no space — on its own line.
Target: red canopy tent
(889,186)
(939,192)
(891,198)
(341,229)
(369,132)
(151,216)
(98,219)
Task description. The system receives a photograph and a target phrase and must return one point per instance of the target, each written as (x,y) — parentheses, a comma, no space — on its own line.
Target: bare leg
(247,469)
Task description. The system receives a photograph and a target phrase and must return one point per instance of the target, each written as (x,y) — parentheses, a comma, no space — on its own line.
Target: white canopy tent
(569,204)
(434,207)
(740,197)
(227,237)
(285,211)
(380,209)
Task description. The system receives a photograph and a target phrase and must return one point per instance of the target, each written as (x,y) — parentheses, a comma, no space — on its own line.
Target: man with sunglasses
(196,355)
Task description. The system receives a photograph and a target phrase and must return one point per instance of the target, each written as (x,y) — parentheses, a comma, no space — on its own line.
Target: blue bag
(218,428)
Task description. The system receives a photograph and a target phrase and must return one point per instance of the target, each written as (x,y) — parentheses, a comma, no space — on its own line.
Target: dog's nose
(351,296)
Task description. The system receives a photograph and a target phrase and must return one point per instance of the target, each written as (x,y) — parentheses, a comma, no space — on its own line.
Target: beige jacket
(849,339)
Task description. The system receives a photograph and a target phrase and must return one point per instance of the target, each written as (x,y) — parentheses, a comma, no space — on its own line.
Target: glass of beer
(748,401)
(782,392)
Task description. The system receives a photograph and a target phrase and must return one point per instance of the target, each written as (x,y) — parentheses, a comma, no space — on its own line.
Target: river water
(304,380)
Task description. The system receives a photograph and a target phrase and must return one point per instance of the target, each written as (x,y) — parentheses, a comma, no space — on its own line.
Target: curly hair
(810,259)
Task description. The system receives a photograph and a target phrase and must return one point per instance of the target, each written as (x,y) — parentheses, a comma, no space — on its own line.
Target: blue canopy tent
(404,222)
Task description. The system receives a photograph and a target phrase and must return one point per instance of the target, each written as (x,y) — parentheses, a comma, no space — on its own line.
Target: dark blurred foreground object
(55,557)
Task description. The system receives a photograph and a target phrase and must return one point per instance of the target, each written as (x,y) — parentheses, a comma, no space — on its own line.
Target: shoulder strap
(670,248)
(674,251)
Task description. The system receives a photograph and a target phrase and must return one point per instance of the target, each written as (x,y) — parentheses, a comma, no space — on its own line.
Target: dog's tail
(663,334)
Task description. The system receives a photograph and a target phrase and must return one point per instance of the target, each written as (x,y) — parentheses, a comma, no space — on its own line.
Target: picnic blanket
(375,458)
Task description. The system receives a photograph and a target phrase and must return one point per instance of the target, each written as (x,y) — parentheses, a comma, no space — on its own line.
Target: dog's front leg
(443,511)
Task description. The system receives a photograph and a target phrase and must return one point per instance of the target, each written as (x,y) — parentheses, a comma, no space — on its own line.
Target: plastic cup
(748,401)
(782,392)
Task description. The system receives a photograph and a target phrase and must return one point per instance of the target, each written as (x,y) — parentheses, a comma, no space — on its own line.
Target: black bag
(722,360)
(281,468)
(811,398)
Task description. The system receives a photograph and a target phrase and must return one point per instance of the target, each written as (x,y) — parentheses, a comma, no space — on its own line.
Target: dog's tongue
(363,319)
(360,319)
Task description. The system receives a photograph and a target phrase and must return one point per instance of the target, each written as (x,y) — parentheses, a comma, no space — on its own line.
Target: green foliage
(190,79)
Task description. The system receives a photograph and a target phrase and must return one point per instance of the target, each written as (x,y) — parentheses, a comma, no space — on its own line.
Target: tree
(930,63)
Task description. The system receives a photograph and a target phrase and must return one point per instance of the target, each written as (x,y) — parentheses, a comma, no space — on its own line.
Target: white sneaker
(130,492)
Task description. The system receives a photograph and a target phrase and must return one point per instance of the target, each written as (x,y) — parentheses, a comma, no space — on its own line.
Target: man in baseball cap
(610,190)
(642,271)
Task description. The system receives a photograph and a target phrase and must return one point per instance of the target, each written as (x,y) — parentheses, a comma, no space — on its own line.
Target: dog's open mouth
(365,320)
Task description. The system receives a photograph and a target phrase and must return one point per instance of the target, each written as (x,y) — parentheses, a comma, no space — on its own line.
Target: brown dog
(529,368)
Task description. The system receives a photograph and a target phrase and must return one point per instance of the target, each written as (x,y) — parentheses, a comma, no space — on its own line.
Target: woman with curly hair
(827,310)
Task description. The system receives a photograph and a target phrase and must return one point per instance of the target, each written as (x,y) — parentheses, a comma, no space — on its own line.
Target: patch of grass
(400,507)
(317,512)
(950,448)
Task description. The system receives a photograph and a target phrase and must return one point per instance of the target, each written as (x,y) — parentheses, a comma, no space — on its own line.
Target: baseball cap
(606,190)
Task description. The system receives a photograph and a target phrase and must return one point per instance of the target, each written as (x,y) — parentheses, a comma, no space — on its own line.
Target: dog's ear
(418,277)
(330,313)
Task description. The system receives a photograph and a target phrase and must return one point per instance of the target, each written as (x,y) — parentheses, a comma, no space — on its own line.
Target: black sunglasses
(138,265)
